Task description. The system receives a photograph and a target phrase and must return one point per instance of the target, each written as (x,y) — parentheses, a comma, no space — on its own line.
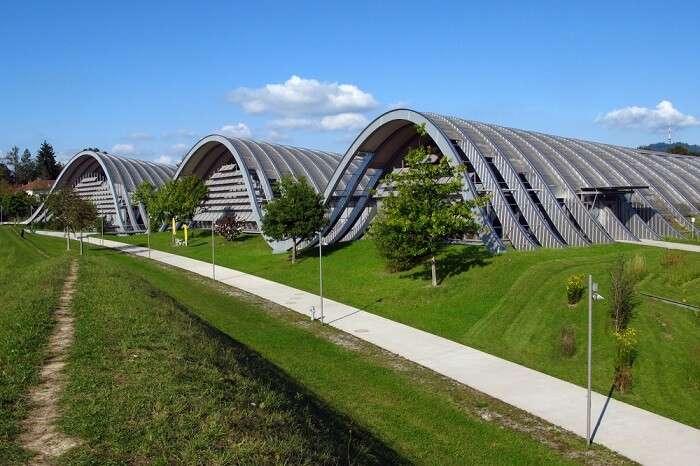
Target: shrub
(671,259)
(567,341)
(627,341)
(638,267)
(623,296)
(229,227)
(574,289)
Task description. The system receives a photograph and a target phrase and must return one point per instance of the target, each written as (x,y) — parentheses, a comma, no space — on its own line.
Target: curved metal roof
(123,176)
(539,184)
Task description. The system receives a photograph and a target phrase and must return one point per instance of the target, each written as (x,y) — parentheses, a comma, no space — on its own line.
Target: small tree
(297,213)
(71,212)
(176,199)
(424,210)
(623,296)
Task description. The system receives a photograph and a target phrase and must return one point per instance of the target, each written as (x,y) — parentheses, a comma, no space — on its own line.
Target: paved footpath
(665,244)
(635,433)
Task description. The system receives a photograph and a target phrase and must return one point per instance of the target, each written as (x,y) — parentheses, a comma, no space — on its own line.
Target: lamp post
(148,234)
(213,263)
(692,230)
(592,296)
(320,270)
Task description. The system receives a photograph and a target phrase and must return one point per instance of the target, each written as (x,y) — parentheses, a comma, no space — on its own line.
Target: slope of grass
(150,384)
(30,284)
(512,305)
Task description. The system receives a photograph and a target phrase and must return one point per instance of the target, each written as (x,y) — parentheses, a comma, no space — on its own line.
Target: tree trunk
(81,243)
(433,269)
(294,251)
(67,240)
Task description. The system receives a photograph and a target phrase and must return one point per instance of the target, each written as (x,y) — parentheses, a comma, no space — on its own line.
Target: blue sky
(148,79)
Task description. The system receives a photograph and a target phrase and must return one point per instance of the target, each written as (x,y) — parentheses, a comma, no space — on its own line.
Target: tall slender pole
(590,332)
(149,237)
(320,270)
(213,263)
(102,230)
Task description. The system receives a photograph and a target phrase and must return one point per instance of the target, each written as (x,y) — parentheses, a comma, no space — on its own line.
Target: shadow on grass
(349,442)
(452,262)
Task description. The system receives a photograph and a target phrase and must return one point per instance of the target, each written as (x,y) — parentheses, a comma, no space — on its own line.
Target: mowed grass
(30,284)
(512,305)
(149,383)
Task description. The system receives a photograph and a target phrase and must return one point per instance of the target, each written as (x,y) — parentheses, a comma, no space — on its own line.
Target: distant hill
(664,146)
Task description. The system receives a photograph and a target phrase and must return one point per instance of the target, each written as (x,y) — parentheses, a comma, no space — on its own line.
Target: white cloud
(123,149)
(299,96)
(179,148)
(236,130)
(649,119)
(140,136)
(166,159)
(344,122)
(340,122)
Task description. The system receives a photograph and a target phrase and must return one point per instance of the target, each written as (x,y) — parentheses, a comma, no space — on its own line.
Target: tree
(11,159)
(423,211)
(143,194)
(296,214)
(6,175)
(70,212)
(176,199)
(26,168)
(46,166)
(678,149)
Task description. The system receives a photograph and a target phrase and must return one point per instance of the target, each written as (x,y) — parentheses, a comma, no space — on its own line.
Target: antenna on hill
(669,135)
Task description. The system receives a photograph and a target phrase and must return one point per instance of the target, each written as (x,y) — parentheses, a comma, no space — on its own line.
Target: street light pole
(213,263)
(149,236)
(320,269)
(590,328)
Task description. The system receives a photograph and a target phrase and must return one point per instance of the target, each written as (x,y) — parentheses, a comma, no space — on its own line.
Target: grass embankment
(30,284)
(512,305)
(685,240)
(151,384)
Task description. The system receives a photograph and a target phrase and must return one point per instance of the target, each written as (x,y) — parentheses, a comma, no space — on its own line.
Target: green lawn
(512,305)
(30,284)
(149,382)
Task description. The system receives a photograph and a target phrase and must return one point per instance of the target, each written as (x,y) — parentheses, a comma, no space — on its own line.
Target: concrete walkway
(665,245)
(635,433)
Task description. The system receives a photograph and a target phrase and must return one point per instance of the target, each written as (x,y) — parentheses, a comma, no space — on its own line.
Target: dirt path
(39,429)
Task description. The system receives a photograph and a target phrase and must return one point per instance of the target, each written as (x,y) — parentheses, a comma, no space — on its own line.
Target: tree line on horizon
(16,169)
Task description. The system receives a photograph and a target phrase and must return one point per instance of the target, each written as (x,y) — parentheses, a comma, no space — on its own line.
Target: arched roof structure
(241,174)
(544,190)
(108,180)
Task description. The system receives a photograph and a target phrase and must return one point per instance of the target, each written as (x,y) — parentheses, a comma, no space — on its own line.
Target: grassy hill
(169,368)
(512,305)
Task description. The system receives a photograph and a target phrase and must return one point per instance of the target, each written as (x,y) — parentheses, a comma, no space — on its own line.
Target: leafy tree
(46,166)
(423,211)
(176,199)
(71,212)
(26,168)
(297,213)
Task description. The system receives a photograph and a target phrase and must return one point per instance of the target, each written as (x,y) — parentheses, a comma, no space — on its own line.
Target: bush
(229,227)
(626,353)
(574,289)
(671,259)
(638,267)
(623,296)
(567,341)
